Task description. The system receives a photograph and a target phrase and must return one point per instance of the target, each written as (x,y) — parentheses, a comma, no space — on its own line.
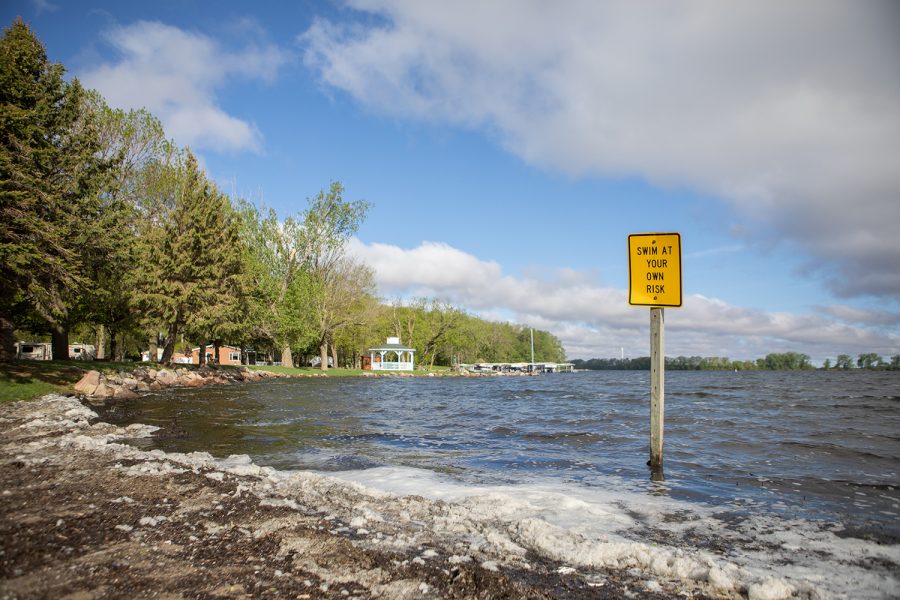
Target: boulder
(121,392)
(154,386)
(166,377)
(102,391)
(87,384)
(193,380)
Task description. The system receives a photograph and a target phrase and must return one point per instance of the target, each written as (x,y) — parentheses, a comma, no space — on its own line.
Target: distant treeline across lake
(786,361)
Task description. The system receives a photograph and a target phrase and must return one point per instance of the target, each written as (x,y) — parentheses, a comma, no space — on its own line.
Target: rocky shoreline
(128,385)
(86,515)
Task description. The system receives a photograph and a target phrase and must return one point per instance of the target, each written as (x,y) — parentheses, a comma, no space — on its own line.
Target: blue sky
(509,148)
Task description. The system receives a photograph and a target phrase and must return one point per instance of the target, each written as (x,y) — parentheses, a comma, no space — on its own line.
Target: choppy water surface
(823,446)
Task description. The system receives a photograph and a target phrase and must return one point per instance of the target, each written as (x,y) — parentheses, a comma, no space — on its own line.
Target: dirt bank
(85,516)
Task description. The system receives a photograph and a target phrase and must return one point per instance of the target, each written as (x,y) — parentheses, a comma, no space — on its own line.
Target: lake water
(814,452)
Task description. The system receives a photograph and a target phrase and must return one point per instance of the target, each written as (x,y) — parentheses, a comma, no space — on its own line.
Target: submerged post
(657,386)
(654,280)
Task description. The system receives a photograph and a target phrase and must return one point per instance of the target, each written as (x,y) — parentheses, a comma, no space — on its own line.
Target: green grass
(27,379)
(310,371)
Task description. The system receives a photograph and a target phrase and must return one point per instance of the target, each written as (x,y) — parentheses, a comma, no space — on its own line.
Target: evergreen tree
(38,262)
(52,177)
(190,256)
(217,305)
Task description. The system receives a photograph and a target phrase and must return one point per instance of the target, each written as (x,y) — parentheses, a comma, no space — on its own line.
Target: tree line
(111,232)
(786,361)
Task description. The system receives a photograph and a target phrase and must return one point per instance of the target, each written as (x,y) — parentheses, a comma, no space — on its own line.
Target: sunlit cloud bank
(596,321)
(176,74)
(789,111)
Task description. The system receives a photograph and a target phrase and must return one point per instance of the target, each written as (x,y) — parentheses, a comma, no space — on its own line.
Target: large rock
(121,392)
(103,391)
(88,383)
(193,380)
(166,377)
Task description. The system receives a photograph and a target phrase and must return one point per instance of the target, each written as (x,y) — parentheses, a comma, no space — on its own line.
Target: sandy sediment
(87,516)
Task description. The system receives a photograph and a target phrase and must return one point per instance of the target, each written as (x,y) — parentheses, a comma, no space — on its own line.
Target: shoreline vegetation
(26,379)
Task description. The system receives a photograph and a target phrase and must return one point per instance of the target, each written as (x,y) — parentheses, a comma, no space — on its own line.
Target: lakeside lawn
(28,379)
(309,371)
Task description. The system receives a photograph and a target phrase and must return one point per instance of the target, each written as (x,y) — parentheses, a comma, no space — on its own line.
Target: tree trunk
(334,356)
(153,353)
(169,349)
(101,343)
(60,342)
(323,355)
(202,358)
(7,339)
(120,352)
(113,346)
(286,359)
(216,346)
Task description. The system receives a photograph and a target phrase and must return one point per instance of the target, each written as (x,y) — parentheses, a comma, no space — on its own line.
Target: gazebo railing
(392,366)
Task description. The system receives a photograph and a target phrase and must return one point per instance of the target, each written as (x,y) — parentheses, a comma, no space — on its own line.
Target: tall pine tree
(50,173)
(187,281)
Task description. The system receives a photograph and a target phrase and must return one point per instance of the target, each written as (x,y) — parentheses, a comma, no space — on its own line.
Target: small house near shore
(392,356)
(228,355)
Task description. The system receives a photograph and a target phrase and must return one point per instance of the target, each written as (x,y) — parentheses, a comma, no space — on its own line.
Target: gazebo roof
(392,347)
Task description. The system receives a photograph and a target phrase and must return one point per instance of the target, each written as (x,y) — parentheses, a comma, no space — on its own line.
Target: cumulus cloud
(176,74)
(593,320)
(789,111)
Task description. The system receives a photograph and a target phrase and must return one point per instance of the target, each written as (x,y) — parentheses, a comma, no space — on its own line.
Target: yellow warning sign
(654,269)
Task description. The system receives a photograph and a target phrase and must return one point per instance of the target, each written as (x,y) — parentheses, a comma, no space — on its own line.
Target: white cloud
(850,314)
(788,110)
(42,6)
(596,321)
(176,74)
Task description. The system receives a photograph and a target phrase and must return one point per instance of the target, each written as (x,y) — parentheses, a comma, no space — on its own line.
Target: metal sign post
(654,280)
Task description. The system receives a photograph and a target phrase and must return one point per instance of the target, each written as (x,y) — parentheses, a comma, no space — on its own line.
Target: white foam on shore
(763,556)
(602,526)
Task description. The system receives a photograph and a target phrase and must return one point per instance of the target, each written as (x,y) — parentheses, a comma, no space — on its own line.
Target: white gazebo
(392,356)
